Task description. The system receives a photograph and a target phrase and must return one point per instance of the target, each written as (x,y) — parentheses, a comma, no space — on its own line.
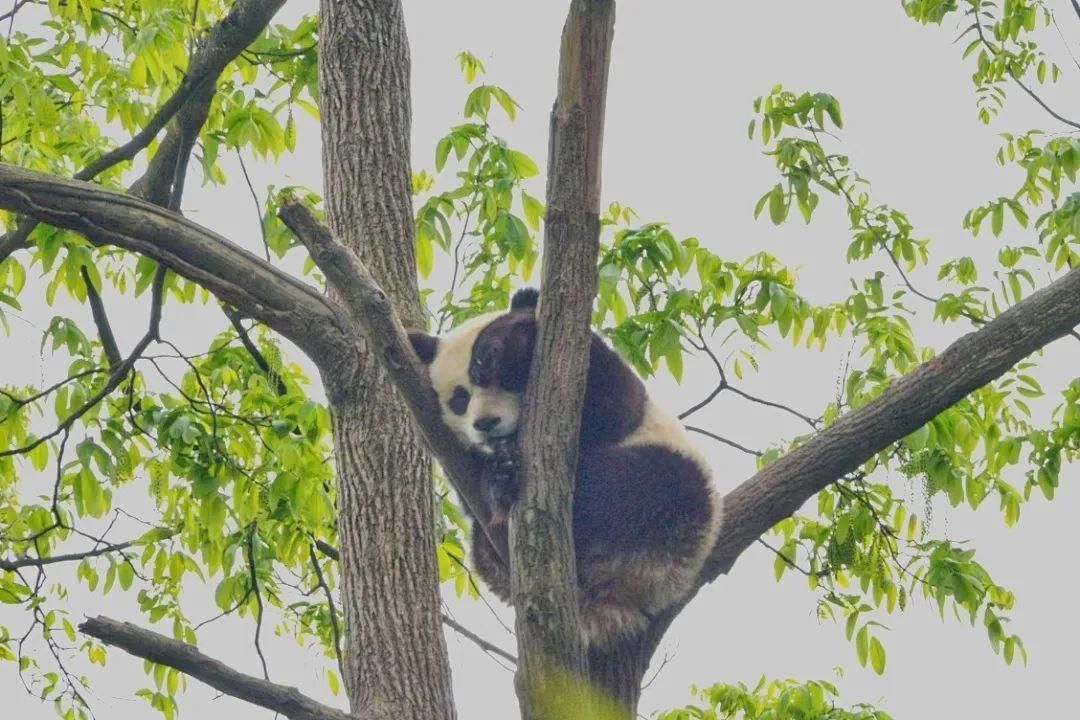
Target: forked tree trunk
(395,658)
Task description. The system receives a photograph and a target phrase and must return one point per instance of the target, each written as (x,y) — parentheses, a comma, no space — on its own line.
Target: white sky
(683,76)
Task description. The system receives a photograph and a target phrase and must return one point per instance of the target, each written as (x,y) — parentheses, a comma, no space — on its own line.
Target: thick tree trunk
(395,654)
(618,672)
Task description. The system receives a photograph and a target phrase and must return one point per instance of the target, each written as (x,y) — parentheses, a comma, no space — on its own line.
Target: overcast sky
(684,73)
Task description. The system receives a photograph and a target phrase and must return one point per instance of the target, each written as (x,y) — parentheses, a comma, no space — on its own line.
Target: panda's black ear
(424,345)
(525,298)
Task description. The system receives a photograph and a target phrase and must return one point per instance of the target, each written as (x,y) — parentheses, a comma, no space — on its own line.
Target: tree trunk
(395,654)
(543,573)
(618,672)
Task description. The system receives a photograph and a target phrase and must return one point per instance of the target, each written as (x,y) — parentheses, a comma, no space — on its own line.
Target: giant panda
(645,512)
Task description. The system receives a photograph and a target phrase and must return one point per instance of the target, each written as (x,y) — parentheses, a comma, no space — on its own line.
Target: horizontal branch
(370,308)
(236,276)
(974,360)
(244,23)
(186,658)
(103,549)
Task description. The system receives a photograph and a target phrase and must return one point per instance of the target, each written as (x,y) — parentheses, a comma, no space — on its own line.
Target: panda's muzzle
(487,424)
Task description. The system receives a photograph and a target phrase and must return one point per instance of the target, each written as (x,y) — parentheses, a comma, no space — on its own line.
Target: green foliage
(232,456)
(999,38)
(773,700)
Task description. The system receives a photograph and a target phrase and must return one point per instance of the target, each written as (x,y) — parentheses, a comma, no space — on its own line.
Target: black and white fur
(645,511)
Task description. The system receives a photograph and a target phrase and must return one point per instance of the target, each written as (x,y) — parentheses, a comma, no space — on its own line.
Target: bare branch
(483,644)
(974,360)
(187,659)
(335,626)
(12,565)
(234,275)
(370,308)
(101,320)
(724,440)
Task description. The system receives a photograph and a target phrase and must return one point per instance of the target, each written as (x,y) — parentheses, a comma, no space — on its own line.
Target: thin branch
(12,565)
(724,440)
(18,401)
(101,320)
(1016,79)
(334,624)
(725,385)
(14,9)
(769,403)
(258,598)
(187,659)
(260,360)
(116,376)
(254,199)
(483,644)
(790,562)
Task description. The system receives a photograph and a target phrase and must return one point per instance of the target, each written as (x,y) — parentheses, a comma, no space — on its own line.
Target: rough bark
(187,659)
(105,217)
(544,577)
(974,360)
(396,663)
(373,312)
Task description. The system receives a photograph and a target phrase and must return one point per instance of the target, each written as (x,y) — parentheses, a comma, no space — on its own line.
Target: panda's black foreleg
(502,473)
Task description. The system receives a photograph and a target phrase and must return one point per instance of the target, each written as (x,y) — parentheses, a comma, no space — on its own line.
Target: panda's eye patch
(459,401)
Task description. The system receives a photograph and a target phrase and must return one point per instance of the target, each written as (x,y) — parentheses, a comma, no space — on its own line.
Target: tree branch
(101,320)
(23,562)
(236,319)
(543,567)
(480,642)
(370,308)
(234,275)
(187,659)
(225,41)
(974,360)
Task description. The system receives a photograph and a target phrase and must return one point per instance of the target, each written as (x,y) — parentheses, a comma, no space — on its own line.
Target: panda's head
(480,368)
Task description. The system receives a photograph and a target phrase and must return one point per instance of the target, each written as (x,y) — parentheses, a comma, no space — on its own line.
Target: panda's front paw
(502,469)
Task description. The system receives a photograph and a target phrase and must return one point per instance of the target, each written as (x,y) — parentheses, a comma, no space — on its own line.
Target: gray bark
(395,661)
(187,659)
(543,568)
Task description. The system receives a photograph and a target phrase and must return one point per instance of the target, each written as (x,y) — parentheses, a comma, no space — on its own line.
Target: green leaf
(523,165)
(778,207)
(877,656)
